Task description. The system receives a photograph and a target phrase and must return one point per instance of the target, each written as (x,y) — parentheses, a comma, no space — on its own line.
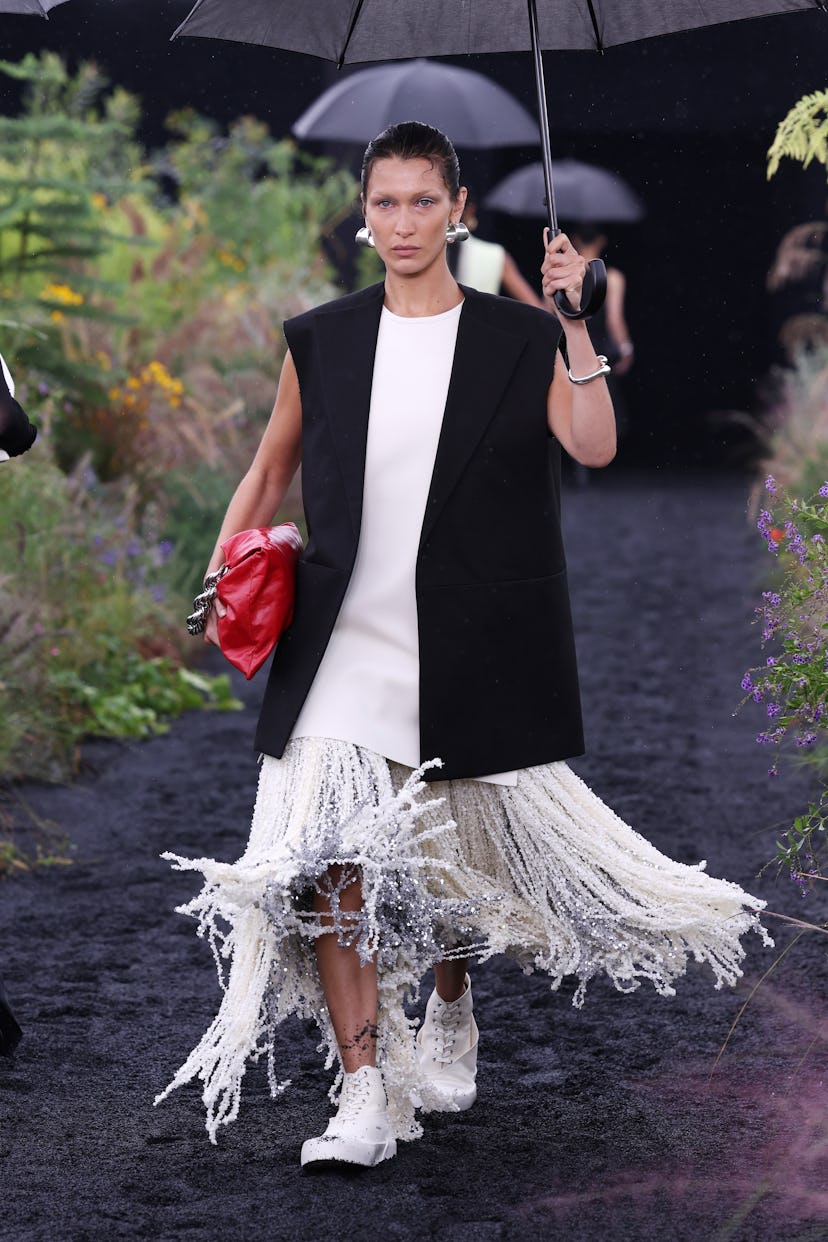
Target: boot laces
(356,1095)
(446,1029)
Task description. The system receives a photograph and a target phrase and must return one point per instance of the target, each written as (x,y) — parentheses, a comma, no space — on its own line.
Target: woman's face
(408,208)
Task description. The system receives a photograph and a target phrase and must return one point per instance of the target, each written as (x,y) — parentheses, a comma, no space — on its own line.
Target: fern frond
(803,134)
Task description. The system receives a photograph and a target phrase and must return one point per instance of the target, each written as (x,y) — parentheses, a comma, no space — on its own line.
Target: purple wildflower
(747,684)
(823,491)
(770,485)
(774,709)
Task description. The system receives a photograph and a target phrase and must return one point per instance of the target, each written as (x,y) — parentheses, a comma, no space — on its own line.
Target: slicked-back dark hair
(412,140)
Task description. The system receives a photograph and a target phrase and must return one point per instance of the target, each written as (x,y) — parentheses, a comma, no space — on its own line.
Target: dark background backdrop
(687,119)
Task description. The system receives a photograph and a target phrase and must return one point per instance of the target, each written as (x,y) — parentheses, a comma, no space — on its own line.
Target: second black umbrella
(474,109)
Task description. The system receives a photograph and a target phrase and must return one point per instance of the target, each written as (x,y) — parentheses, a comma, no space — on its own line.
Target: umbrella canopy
(582,192)
(474,109)
(350,31)
(366,30)
(36,8)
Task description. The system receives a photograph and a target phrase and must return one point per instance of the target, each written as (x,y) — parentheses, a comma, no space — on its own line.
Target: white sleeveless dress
(367,688)
(530,864)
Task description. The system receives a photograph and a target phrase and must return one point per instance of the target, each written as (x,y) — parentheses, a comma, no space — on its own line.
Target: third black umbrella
(583,192)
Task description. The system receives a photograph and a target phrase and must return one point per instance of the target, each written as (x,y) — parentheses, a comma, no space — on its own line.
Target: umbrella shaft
(543,118)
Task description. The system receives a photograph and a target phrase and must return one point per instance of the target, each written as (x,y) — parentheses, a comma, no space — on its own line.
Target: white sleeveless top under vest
(367,688)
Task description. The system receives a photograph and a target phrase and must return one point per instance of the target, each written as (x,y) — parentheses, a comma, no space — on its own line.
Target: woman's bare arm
(262,490)
(581,416)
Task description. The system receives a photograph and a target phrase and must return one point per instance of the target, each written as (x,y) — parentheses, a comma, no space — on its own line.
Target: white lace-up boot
(447,1053)
(360,1133)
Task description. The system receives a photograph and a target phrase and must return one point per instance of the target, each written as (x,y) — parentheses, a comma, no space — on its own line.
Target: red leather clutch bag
(257,587)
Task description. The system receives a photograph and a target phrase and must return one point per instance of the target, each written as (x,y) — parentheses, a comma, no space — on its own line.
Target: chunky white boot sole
(360,1134)
(454,1089)
(330,1151)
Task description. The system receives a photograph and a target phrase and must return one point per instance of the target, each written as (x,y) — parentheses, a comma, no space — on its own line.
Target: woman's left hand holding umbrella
(563,269)
(580,412)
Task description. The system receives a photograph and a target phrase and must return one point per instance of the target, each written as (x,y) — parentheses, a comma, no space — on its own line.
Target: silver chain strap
(203,603)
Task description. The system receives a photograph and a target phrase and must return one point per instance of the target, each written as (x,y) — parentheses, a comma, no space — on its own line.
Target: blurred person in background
(488,266)
(17,434)
(607,328)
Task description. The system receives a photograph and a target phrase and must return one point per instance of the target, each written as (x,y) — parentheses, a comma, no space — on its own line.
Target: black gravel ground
(596,1124)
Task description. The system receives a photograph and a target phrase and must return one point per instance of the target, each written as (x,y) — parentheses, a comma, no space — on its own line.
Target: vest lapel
(484,360)
(348,343)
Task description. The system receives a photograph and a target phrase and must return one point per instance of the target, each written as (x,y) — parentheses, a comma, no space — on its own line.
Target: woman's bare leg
(350,988)
(450,979)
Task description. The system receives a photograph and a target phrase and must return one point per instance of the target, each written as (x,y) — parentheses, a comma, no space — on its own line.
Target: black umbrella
(477,111)
(582,192)
(36,8)
(348,31)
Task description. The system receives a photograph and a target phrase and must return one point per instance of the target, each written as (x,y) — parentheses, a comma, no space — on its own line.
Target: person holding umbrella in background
(414,807)
(608,326)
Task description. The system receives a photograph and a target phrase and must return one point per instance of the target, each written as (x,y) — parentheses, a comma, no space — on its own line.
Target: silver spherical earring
(364,236)
(457,233)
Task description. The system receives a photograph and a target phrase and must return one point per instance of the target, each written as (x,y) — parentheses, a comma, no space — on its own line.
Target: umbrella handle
(595,284)
(592,295)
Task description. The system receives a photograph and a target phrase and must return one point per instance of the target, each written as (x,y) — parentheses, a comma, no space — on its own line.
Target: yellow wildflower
(230,260)
(62,293)
(156,373)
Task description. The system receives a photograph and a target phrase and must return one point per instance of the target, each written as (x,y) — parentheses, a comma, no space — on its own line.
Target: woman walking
(414,806)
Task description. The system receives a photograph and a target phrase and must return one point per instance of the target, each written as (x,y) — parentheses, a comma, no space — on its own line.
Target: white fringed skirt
(542,871)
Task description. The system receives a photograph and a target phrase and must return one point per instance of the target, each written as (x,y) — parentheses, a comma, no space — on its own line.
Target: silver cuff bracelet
(603,369)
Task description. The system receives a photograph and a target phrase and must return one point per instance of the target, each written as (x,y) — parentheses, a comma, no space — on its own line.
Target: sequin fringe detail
(542,871)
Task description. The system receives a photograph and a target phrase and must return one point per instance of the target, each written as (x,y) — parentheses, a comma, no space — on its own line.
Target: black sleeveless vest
(498,679)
